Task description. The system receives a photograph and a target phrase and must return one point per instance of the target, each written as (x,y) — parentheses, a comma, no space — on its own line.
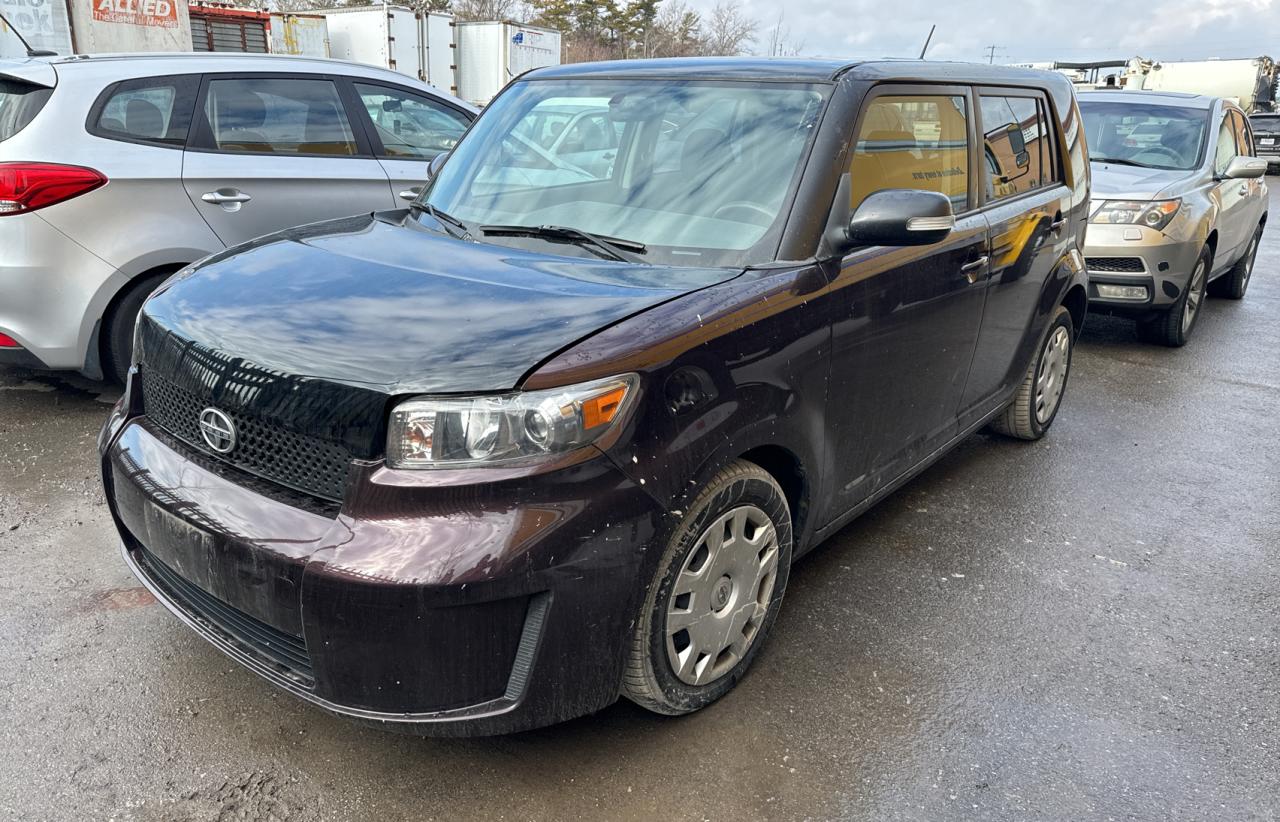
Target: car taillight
(8,342)
(28,186)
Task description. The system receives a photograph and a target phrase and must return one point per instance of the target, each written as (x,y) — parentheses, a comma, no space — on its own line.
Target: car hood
(383,303)
(1117,182)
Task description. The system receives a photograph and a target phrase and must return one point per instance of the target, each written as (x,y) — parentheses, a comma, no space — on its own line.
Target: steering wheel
(1164,150)
(745,205)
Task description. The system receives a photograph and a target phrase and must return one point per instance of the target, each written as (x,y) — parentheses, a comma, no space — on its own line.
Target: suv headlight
(1151,213)
(458,432)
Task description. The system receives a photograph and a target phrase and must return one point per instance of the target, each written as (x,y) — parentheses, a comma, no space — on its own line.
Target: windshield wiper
(613,247)
(442,217)
(1119,162)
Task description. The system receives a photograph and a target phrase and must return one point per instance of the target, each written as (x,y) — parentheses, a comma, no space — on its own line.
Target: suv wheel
(1173,327)
(715,594)
(1036,403)
(1235,282)
(117,338)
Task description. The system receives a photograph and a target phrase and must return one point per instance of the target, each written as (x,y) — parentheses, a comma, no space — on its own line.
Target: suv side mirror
(901,216)
(1245,168)
(433,168)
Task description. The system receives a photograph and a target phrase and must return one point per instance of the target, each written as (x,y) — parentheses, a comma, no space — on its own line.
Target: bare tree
(727,31)
(780,42)
(487,9)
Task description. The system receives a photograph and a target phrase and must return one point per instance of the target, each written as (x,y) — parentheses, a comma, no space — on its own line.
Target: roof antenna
(4,22)
(928,40)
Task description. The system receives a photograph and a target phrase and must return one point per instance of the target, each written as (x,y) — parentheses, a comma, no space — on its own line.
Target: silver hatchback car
(117,170)
(1178,208)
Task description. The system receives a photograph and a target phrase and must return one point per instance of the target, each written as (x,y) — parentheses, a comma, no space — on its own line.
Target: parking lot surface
(1084,627)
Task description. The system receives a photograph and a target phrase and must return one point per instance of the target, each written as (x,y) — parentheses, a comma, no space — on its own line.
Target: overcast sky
(1024,30)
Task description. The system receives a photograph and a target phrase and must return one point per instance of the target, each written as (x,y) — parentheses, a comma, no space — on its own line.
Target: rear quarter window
(147,110)
(19,104)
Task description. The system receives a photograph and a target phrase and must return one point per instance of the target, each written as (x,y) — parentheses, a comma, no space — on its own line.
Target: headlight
(457,432)
(1151,213)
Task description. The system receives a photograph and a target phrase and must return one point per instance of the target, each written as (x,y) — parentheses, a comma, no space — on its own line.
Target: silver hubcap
(1194,296)
(1054,362)
(721,596)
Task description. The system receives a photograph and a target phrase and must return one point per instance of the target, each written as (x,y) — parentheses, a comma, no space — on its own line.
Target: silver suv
(1178,206)
(116,171)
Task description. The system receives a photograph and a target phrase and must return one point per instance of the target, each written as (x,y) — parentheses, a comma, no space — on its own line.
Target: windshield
(1140,134)
(698,173)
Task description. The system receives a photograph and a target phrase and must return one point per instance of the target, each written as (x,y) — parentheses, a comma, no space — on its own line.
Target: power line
(991,52)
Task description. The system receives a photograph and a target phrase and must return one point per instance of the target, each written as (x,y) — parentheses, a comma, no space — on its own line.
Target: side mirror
(433,168)
(1245,168)
(902,216)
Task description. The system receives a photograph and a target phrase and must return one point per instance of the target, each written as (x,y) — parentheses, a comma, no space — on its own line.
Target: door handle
(971,269)
(410,193)
(224,196)
(1057,224)
(1244,189)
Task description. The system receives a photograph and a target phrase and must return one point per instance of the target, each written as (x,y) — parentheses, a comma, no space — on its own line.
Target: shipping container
(305,35)
(220,27)
(420,45)
(491,54)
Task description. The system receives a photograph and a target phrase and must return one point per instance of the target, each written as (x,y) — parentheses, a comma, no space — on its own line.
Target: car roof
(1177,99)
(807,69)
(140,64)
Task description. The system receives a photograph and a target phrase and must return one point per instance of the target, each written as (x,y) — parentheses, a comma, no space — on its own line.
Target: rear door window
(1244,139)
(149,109)
(278,115)
(1016,145)
(1225,151)
(916,141)
(19,104)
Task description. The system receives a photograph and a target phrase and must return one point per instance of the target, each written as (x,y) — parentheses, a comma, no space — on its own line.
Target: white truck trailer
(420,45)
(491,54)
(1251,83)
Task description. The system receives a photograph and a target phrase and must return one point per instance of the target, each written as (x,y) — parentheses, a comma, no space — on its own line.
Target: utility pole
(991,53)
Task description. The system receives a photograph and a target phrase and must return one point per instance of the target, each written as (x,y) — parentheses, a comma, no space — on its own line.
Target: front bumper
(1129,255)
(440,611)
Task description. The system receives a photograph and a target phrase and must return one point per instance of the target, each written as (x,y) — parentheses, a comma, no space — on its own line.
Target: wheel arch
(787,469)
(98,351)
(1077,302)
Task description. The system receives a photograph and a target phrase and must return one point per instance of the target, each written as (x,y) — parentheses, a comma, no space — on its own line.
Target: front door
(905,319)
(273,152)
(1026,202)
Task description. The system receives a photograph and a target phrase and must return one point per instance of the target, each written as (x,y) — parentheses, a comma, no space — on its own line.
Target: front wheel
(1173,327)
(717,589)
(1035,405)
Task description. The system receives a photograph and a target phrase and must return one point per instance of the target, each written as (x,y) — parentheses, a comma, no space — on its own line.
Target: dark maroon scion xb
(556,432)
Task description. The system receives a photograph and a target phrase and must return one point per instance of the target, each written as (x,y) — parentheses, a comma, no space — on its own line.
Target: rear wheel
(716,592)
(1235,282)
(117,337)
(1173,327)
(1036,403)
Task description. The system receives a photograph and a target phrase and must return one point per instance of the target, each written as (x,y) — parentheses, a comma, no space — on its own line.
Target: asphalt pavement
(1080,628)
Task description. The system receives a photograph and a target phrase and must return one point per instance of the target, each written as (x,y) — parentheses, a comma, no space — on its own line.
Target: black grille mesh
(296,460)
(1121,265)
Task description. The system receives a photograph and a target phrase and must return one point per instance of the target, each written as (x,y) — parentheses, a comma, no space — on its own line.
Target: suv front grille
(299,461)
(1120,265)
(284,652)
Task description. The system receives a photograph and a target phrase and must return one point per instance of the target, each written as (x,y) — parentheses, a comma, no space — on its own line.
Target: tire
(1173,326)
(1235,282)
(1036,403)
(731,594)
(117,345)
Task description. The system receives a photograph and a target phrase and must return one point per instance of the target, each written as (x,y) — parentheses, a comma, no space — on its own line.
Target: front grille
(1119,265)
(298,461)
(284,652)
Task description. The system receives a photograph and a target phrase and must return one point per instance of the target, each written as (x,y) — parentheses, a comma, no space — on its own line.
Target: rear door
(407,129)
(272,151)
(905,319)
(1257,188)
(1024,199)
